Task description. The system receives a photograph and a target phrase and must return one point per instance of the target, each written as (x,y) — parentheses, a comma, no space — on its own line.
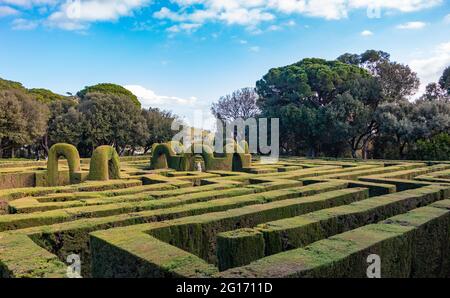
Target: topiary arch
(70,153)
(171,155)
(105,164)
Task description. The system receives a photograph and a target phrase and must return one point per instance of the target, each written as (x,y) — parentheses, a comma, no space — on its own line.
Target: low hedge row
(300,231)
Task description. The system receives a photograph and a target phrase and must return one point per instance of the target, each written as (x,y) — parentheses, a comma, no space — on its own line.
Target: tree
(299,95)
(402,124)
(111,120)
(436,148)
(350,119)
(23,120)
(158,126)
(435,92)
(313,81)
(397,126)
(110,89)
(432,118)
(64,125)
(397,81)
(239,104)
(444,81)
(9,85)
(44,95)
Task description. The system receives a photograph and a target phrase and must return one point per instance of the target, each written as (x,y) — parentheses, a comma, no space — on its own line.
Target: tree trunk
(45,144)
(402,150)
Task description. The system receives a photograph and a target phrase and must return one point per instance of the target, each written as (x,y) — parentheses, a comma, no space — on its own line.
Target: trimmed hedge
(173,155)
(67,151)
(403,243)
(104,165)
(174,207)
(192,234)
(167,223)
(299,231)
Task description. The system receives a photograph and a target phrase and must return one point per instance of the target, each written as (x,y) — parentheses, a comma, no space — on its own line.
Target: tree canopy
(240,104)
(112,89)
(311,81)
(444,81)
(358,103)
(45,95)
(22,119)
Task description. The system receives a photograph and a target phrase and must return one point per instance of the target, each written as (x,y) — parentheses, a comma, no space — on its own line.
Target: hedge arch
(212,162)
(70,153)
(105,164)
(170,155)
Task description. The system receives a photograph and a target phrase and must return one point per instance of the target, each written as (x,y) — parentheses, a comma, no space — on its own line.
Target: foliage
(64,124)
(401,125)
(105,164)
(436,148)
(434,92)
(22,119)
(241,104)
(110,89)
(444,81)
(301,95)
(109,119)
(310,81)
(45,96)
(67,151)
(158,127)
(8,85)
(349,123)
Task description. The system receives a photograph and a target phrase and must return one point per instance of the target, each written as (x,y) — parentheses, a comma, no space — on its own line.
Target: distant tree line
(32,120)
(359,105)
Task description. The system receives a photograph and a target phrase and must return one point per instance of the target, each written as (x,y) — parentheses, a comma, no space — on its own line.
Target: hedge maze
(160,216)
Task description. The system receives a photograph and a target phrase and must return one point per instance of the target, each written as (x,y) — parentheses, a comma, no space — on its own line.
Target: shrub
(105,164)
(68,151)
(436,148)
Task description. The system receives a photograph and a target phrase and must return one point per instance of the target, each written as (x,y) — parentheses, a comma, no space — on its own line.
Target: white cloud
(255,49)
(447,19)
(30,3)
(149,98)
(78,14)
(430,68)
(367,33)
(186,27)
(274,28)
(253,12)
(24,24)
(290,23)
(412,26)
(7,11)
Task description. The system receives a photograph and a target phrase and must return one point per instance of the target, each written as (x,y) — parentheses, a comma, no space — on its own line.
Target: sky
(182,55)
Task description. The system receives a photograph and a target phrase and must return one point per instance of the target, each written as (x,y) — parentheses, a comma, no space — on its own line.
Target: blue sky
(184,54)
